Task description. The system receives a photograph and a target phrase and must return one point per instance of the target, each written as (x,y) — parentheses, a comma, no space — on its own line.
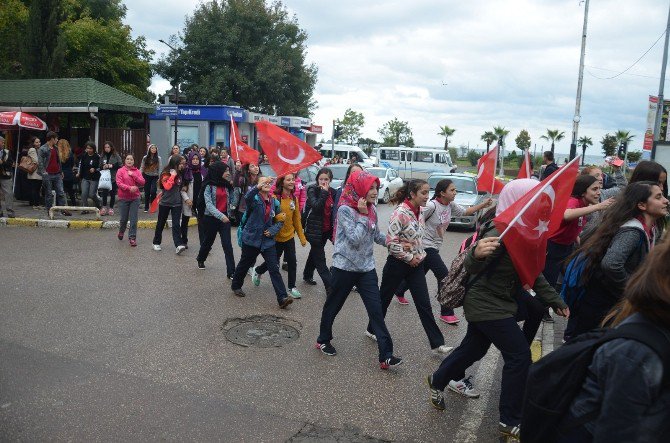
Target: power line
(612,70)
(635,63)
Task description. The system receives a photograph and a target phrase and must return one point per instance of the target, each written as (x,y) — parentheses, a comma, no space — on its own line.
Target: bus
(415,162)
(344,152)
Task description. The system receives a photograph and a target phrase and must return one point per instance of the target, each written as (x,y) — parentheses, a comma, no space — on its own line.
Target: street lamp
(176,87)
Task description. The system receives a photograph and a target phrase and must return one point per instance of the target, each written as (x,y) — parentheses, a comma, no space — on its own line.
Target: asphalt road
(103,342)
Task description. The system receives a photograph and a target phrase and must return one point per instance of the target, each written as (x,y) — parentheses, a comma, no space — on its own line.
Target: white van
(415,162)
(345,151)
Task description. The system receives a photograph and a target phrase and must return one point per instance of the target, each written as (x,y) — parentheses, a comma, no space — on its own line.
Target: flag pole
(234,137)
(552,178)
(495,166)
(527,163)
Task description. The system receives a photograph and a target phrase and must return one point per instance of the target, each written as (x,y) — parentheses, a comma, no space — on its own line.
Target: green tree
(609,145)
(367,144)
(553,135)
(453,153)
(473,157)
(396,133)
(584,142)
(351,125)
(446,132)
(13,23)
(523,140)
(500,133)
(623,138)
(489,137)
(45,52)
(634,156)
(243,52)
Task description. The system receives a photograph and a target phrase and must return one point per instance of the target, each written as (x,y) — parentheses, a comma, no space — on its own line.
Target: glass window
(389,154)
(463,184)
(423,156)
(439,158)
(402,156)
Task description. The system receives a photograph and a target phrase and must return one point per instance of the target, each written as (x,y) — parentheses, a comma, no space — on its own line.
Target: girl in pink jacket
(129,179)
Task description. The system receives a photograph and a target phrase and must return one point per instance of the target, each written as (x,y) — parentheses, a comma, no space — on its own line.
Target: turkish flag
(486,173)
(527,224)
(287,153)
(524,170)
(240,150)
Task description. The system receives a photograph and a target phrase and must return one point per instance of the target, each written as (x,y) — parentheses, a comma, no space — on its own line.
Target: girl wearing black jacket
(89,173)
(318,220)
(111,161)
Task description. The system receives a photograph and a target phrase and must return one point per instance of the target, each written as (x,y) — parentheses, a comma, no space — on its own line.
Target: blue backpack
(245,216)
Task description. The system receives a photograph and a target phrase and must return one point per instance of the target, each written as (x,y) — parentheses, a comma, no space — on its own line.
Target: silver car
(466,196)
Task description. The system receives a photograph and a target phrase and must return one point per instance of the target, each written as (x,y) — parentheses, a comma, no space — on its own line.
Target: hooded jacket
(124,182)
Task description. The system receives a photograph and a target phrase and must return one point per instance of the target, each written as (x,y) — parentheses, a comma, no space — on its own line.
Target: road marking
(471,419)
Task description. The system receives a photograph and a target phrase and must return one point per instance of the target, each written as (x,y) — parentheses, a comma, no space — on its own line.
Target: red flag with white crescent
(486,173)
(528,223)
(240,150)
(287,153)
(525,169)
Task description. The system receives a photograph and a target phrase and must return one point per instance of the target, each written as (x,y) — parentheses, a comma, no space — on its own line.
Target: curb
(81,224)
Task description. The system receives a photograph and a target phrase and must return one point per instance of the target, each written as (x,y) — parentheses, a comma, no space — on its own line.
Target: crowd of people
(614,234)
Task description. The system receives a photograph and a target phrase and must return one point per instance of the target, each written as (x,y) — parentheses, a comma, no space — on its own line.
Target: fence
(126,141)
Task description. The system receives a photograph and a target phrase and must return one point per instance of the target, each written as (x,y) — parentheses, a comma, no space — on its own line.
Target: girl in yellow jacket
(284,242)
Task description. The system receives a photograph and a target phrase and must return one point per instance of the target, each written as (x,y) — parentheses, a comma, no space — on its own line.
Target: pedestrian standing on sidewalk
(437,215)
(35,179)
(616,250)
(213,215)
(170,182)
(49,168)
(263,222)
(356,231)
(490,307)
(176,150)
(319,215)
(111,161)
(405,261)
(585,200)
(66,157)
(150,168)
(193,175)
(6,174)
(284,240)
(129,181)
(626,392)
(89,174)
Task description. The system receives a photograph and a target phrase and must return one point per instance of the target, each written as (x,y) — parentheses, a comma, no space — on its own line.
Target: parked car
(466,196)
(389,181)
(339,172)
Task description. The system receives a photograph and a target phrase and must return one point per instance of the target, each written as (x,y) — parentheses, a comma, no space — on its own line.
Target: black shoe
(201,264)
(284,266)
(436,396)
(326,348)
(285,302)
(230,277)
(66,213)
(509,430)
(547,318)
(239,292)
(390,362)
(309,281)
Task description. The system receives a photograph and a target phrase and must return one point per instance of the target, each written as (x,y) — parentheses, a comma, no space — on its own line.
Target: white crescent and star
(292,161)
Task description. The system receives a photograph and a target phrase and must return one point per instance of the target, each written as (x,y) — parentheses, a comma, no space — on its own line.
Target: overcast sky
(467,64)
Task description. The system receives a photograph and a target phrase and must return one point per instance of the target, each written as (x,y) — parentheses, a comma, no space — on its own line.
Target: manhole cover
(261,331)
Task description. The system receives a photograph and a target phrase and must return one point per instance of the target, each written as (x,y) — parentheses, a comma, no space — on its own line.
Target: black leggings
(35,187)
(68,187)
(107,192)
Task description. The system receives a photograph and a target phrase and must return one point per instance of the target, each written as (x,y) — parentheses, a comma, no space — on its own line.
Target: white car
(389,180)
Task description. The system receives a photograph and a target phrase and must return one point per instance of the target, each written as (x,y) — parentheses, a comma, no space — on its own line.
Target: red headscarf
(357,186)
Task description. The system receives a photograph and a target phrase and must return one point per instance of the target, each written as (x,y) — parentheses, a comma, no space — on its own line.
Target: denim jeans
(53,182)
(163,212)
(8,195)
(287,248)
(249,255)
(432,262)
(128,209)
(367,285)
(395,271)
(89,188)
(211,227)
(505,335)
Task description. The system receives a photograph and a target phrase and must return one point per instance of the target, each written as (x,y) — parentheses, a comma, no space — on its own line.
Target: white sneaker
(293,292)
(370,335)
(255,278)
(444,349)
(157,247)
(180,249)
(463,387)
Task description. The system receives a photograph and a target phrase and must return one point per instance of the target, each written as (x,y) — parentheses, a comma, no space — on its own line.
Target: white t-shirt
(437,217)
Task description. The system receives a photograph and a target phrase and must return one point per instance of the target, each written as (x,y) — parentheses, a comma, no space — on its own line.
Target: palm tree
(446,132)
(584,142)
(489,137)
(501,133)
(623,137)
(555,136)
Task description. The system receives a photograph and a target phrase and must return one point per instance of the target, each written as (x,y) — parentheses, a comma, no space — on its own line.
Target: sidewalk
(25,215)
(549,337)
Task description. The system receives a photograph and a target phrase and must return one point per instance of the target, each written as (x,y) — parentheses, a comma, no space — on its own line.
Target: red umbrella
(21,120)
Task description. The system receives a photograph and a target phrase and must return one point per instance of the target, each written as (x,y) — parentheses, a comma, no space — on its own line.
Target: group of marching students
(605,265)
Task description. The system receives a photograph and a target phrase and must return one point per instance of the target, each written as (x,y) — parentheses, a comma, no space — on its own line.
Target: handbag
(105,181)
(27,165)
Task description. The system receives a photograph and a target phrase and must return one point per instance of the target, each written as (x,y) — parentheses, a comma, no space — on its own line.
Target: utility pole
(659,105)
(577,117)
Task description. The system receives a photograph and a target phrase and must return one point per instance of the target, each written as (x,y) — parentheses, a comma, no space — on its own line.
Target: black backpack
(556,379)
